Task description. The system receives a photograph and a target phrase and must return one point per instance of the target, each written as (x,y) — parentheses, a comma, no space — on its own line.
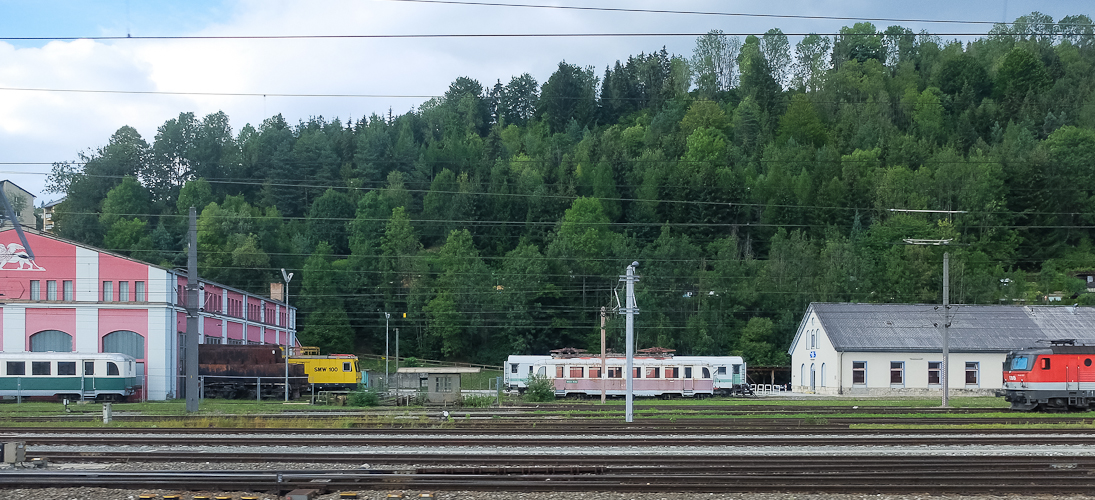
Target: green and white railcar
(72,375)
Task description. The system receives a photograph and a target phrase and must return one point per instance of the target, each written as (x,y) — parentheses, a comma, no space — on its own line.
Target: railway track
(927,475)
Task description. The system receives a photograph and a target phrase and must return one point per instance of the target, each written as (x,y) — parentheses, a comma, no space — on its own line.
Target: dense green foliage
(748,180)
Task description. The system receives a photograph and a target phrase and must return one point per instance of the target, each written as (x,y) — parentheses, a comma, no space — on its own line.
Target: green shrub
(364,397)
(411,362)
(540,389)
(477,401)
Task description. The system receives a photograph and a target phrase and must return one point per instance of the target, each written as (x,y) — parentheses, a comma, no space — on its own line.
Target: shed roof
(973,328)
(438,369)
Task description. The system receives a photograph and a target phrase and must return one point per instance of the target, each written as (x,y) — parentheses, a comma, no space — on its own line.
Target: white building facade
(896,349)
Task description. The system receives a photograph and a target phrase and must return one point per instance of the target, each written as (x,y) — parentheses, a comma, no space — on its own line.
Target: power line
(708,13)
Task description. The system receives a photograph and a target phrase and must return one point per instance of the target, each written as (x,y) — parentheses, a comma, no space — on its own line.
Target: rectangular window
(40,368)
(671,372)
(813,339)
(595,372)
(576,372)
(51,290)
(108,291)
(138,287)
(897,372)
(559,371)
(35,290)
(66,368)
(89,368)
(615,372)
(17,368)
(637,372)
(652,372)
(859,372)
(111,368)
(346,367)
(68,291)
(971,372)
(513,367)
(123,291)
(933,372)
(722,370)
(688,372)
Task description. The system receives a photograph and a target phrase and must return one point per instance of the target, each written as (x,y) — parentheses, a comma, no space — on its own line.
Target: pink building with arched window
(76,298)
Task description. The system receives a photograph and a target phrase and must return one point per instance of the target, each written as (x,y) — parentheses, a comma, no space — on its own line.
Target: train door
(687,379)
(1072,371)
(89,377)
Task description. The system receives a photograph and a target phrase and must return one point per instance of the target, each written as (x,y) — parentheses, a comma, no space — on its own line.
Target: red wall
(53,260)
(134,320)
(51,319)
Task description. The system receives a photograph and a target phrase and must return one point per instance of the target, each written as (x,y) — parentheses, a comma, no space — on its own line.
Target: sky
(64,90)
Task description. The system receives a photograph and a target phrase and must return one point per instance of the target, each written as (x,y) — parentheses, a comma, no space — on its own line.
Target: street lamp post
(288,277)
(387,318)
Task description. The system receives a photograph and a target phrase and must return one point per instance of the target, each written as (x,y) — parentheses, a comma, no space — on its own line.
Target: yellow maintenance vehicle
(330,372)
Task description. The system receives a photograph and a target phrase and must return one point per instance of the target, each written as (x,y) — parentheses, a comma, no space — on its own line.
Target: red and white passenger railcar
(653,376)
(1058,378)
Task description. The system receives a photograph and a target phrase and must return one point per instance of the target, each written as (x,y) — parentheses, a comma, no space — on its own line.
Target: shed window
(35,290)
(108,291)
(17,368)
(971,373)
(859,372)
(897,372)
(51,290)
(933,372)
(66,368)
(40,368)
(138,288)
(123,291)
(67,284)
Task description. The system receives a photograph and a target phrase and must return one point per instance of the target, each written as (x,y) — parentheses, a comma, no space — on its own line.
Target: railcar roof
(973,328)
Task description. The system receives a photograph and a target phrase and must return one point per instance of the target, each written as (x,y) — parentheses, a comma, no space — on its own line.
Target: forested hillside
(748,179)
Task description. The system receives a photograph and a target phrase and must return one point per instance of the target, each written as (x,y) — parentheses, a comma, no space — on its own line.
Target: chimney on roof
(277,291)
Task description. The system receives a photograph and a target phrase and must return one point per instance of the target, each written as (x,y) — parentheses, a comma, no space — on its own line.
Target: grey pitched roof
(913,327)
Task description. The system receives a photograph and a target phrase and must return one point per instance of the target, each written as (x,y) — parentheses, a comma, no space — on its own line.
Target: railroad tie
(425,495)
(172,497)
(146,496)
(395,495)
(347,494)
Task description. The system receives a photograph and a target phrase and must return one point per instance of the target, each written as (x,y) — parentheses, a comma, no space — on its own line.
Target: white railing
(768,388)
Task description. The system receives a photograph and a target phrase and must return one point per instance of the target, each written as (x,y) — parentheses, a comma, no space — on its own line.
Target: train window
(40,368)
(346,366)
(17,368)
(637,372)
(594,372)
(706,372)
(722,370)
(576,371)
(615,372)
(111,368)
(1045,363)
(559,371)
(688,372)
(66,368)
(671,372)
(652,372)
(542,371)
(89,368)
(513,367)
(1087,362)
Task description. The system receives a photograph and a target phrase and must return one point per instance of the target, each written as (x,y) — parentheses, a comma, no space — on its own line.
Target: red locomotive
(1058,378)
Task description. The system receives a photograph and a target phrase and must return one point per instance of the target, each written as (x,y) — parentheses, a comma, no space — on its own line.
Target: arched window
(51,340)
(802,375)
(823,374)
(125,342)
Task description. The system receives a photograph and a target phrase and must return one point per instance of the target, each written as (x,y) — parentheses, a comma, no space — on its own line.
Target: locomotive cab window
(346,366)
(1045,363)
(66,368)
(111,368)
(40,368)
(17,368)
(1019,363)
(513,367)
